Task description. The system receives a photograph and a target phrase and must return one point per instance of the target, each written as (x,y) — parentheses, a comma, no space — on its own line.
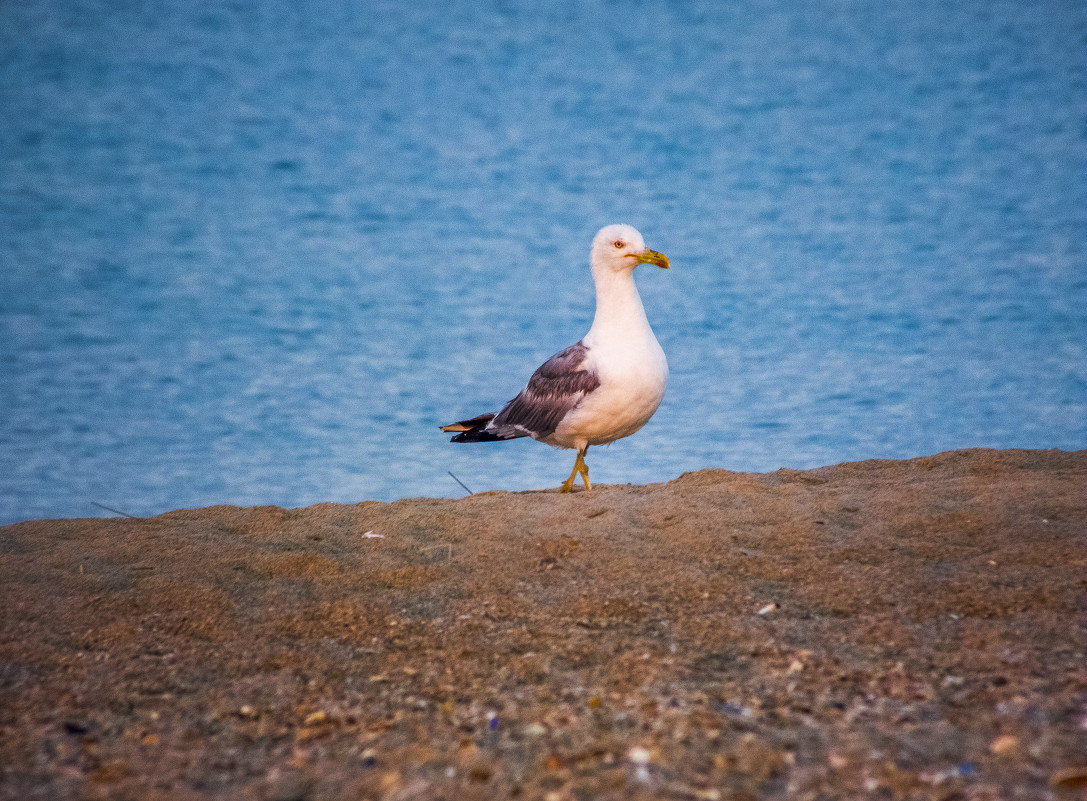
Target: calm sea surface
(257,252)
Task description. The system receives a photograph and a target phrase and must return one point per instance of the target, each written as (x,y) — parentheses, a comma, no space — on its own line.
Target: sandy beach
(885,629)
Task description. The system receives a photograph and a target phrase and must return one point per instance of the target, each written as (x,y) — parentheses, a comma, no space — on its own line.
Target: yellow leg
(585,473)
(580,468)
(568,484)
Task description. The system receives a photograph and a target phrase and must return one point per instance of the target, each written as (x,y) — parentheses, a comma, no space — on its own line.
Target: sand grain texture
(894,630)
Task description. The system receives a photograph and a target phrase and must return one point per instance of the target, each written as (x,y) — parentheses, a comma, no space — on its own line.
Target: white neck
(619,310)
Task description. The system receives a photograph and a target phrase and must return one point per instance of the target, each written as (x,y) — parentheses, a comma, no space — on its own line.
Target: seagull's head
(620,248)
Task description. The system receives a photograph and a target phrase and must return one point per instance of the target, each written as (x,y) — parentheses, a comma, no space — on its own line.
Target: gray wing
(554,389)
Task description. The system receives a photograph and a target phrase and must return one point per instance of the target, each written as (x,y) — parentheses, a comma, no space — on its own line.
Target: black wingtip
(472,430)
(476,435)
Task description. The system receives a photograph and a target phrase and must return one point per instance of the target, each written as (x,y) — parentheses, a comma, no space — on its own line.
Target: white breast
(633,375)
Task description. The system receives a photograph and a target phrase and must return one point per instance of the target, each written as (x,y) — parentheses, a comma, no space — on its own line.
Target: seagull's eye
(619,243)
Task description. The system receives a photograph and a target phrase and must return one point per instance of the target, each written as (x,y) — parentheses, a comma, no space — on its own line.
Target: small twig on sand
(460,482)
(115,511)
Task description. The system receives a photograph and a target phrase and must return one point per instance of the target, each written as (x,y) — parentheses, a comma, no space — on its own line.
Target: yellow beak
(652,257)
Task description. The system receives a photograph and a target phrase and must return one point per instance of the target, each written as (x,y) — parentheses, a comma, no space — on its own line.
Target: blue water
(256,252)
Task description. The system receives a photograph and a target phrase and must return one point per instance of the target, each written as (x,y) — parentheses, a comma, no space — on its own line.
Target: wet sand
(901,630)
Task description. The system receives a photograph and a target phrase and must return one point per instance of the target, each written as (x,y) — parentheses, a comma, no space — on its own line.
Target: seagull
(604,387)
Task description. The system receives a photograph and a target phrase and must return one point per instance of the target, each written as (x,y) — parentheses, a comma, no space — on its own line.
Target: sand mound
(899,630)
